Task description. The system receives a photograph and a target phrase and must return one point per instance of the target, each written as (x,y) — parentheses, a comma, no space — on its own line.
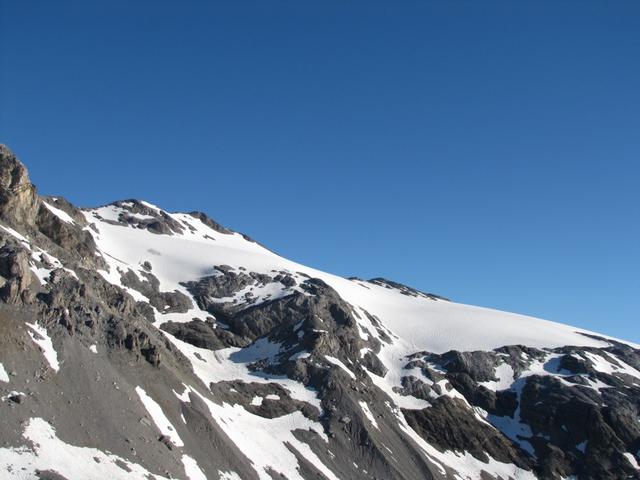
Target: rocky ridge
(137,343)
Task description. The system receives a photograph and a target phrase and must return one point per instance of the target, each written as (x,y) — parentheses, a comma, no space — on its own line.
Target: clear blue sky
(486,151)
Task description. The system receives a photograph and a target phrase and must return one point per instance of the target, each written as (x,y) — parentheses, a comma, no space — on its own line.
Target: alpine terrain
(141,344)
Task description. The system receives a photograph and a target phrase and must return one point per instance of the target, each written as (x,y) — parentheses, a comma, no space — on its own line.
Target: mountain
(141,344)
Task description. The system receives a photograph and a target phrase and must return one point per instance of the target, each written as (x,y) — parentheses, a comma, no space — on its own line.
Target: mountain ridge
(138,343)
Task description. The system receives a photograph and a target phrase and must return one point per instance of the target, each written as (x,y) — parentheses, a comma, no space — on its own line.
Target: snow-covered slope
(421,323)
(163,345)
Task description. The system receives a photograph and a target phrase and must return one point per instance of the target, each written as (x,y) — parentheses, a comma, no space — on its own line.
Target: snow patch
(267,442)
(61,214)
(230,475)
(299,356)
(4,377)
(610,365)
(257,294)
(632,460)
(46,258)
(47,451)
(191,469)
(504,373)
(21,238)
(159,418)
(230,364)
(368,414)
(41,338)
(339,363)
(184,396)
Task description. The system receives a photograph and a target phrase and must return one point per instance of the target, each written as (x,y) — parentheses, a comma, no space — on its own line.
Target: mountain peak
(164,345)
(18,199)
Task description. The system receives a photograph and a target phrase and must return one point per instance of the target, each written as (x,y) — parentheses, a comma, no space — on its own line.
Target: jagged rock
(70,237)
(450,425)
(166,302)
(18,199)
(202,335)
(403,289)
(50,475)
(15,397)
(210,223)
(166,441)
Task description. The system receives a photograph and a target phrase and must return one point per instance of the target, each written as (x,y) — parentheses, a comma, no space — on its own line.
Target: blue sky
(485,151)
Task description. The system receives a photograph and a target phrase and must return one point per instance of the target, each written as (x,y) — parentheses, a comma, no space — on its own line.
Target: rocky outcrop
(449,424)
(149,286)
(15,273)
(566,411)
(403,289)
(204,218)
(18,199)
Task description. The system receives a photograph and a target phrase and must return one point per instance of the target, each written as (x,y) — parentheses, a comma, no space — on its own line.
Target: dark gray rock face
(70,238)
(138,214)
(210,222)
(412,292)
(149,286)
(285,349)
(202,334)
(558,411)
(450,425)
